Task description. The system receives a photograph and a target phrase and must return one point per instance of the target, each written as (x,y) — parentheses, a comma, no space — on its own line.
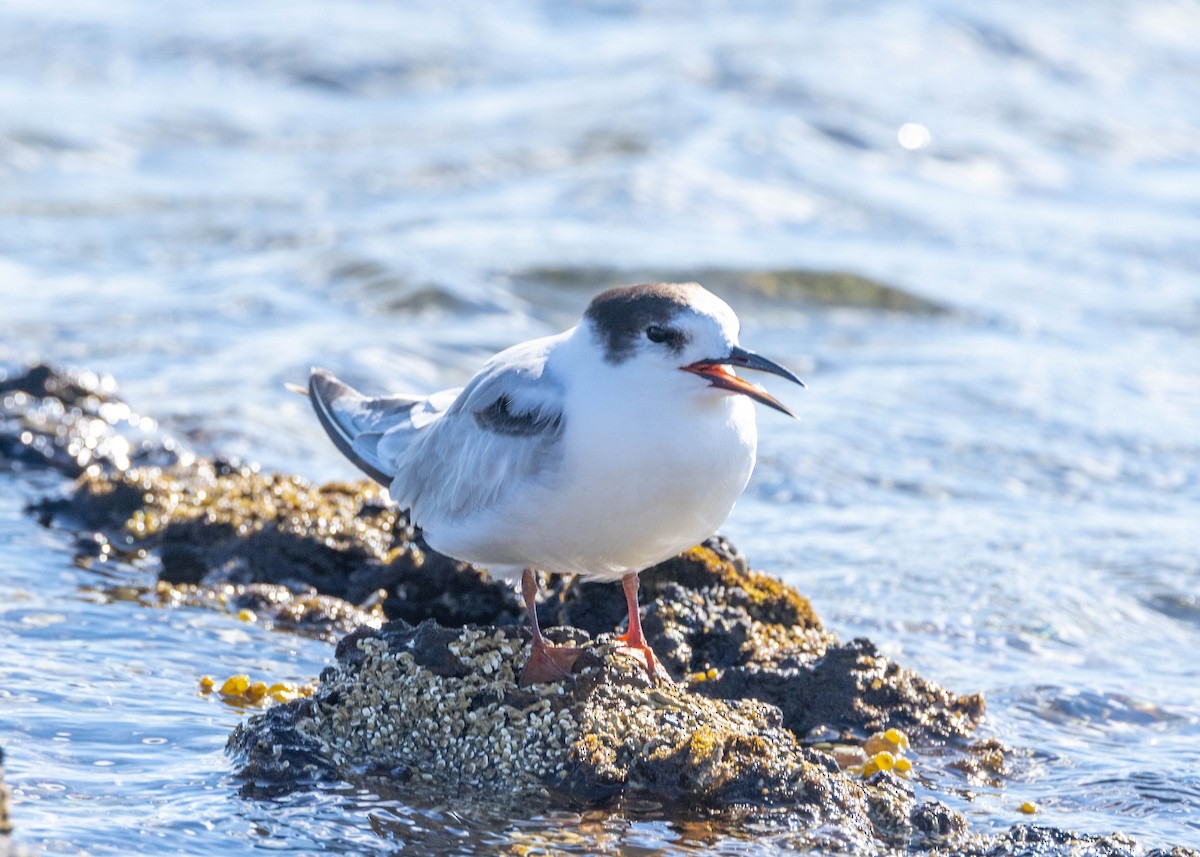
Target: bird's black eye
(657,334)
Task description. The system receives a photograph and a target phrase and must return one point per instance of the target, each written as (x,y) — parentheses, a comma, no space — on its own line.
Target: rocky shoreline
(766,701)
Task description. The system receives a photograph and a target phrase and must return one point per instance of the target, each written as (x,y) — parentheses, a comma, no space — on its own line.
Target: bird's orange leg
(546,662)
(632,641)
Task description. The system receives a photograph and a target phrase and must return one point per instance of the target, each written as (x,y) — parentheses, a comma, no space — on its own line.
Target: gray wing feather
(355,422)
(502,430)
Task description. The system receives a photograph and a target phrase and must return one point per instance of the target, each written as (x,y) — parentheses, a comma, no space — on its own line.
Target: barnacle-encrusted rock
(437,706)
(737,633)
(442,705)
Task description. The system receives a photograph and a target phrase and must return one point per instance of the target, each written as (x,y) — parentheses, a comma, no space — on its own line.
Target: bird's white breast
(639,481)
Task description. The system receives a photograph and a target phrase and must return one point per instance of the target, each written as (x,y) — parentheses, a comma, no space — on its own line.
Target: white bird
(600,451)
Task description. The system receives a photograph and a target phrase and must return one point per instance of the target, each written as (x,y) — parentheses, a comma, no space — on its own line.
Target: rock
(438,709)
(737,633)
(223,532)
(72,421)
(442,706)
(308,613)
(730,631)
(1030,840)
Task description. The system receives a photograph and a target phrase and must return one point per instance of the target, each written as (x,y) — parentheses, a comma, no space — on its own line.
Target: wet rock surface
(429,699)
(243,537)
(72,421)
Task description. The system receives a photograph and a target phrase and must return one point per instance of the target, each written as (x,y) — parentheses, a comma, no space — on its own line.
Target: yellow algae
(206,684)
(246,615)
(284,692)
(903,766)
(240,690)
(235,685)
(1029,807)
(893,741)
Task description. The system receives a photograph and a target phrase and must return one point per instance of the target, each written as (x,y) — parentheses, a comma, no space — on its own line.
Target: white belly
(632,491)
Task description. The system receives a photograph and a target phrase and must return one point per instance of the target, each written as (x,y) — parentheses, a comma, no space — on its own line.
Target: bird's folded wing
(502,432)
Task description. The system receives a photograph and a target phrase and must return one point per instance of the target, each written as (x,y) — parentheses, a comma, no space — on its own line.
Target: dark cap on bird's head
(621,317)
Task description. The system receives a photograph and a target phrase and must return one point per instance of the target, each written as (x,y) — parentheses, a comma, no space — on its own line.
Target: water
(204,200)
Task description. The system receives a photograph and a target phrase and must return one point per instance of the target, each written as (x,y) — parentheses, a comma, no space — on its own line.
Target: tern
(598,452)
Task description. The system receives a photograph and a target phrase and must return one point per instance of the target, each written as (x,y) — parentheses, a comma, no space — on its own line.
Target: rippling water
(204,200)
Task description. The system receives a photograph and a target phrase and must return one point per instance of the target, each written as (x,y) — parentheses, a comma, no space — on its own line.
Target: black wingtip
(320,382)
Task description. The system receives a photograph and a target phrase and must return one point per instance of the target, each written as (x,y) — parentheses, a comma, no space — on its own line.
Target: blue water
(203,200)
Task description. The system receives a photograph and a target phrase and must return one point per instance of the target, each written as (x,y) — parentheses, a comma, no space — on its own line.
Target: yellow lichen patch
(706,675)
(772,600)
(1029,807)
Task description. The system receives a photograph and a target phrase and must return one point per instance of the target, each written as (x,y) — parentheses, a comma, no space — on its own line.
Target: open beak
(718,374)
